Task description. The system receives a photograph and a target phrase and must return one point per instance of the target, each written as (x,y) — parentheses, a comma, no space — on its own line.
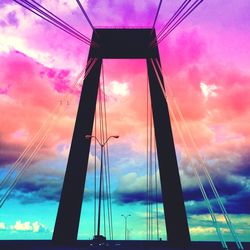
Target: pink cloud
(28,101)
(183,50)
(189,56)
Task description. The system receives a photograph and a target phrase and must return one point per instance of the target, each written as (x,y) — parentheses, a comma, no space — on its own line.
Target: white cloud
(64,151)
(20,134)
(9,42)
(202,230)
(132,182)
(208,90)
(2,225)
(118,88)
(11,39)
(19,226)
(47,51)
(34,227)
(92,161)
(63,6)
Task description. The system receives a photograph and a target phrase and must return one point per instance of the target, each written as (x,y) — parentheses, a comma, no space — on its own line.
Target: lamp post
(125,224)
(101,174)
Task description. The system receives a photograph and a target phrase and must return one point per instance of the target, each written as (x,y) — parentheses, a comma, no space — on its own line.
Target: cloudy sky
(206,65)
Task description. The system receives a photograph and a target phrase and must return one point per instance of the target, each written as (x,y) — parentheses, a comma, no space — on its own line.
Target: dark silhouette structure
(121,43)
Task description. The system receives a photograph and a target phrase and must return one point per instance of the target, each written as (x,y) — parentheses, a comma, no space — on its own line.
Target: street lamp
(98,236)
(125,224)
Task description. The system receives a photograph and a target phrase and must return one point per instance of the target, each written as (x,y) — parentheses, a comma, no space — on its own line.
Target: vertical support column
(68,216)
(174,209)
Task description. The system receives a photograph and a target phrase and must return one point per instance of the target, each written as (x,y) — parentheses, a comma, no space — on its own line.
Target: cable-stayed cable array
(105,197)
(152,210)
(53,19)
(186,8)
(27,156)
(202,166)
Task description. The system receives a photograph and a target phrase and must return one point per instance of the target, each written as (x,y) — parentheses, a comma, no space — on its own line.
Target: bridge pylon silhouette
(122,44)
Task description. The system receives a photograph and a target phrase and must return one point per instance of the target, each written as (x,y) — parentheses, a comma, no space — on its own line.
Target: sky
(206,64)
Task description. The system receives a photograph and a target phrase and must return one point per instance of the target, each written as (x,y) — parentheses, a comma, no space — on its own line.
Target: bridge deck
(116,245)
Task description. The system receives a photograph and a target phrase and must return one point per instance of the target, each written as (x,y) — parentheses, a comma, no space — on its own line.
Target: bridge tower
(133,44)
